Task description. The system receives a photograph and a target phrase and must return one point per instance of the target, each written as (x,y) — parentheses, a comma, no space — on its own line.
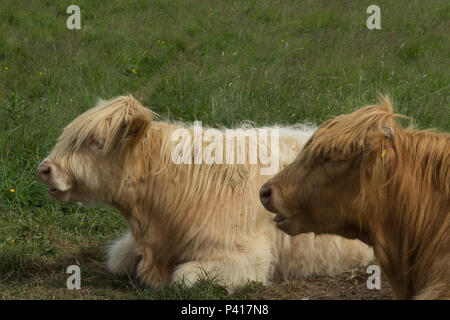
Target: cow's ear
(379,146)
(137,128)
(388,132)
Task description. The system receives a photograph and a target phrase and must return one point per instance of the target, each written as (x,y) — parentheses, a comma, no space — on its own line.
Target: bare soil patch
(346,286)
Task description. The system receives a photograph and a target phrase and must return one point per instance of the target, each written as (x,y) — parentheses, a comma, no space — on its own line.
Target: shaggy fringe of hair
(104,123)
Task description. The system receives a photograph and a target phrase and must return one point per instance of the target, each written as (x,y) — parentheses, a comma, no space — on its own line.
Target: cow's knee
(188,273)
(231,273)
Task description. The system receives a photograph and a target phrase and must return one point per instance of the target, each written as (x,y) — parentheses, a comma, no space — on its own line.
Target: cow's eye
(334,160)
(95,145)
(335,157)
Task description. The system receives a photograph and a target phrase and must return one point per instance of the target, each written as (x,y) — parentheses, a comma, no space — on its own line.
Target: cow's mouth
(58,194)
(54,191)
(280,220)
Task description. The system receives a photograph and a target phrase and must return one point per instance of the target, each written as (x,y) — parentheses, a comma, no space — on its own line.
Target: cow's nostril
(265,193)
(44,171)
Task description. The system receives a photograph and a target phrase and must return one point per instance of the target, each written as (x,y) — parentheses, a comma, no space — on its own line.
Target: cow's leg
(231,270)
(150,276)
(148,272)
(126,257)
(308,254)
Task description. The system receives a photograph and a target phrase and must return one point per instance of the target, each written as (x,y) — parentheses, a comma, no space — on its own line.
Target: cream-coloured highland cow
(185,220)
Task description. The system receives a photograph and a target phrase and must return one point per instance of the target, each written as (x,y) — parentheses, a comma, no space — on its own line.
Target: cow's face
(86,163)
(313,195)
(73,175)
(321,190)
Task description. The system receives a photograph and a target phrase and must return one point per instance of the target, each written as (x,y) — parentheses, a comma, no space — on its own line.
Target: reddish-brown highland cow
(185,219)
(362,176)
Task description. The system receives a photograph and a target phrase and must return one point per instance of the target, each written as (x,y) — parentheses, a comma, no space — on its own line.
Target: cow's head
(324,189)
(87,162)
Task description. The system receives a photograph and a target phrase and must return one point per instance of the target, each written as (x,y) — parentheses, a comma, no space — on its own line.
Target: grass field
(220,62)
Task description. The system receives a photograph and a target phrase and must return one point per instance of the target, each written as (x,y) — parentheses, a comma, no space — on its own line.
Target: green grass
(220,62)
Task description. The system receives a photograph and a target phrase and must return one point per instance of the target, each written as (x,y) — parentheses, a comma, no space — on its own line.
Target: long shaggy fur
(187,220)
(404,195)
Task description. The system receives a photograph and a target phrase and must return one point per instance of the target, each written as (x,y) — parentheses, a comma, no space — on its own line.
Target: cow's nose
(44,171)
(264,194)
